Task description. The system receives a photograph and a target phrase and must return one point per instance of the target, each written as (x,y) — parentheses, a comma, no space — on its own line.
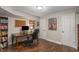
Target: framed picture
(20,23)
(52,23)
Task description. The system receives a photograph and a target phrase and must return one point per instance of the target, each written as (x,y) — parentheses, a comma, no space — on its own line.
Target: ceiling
(35,12)
(46,9)
(6,13)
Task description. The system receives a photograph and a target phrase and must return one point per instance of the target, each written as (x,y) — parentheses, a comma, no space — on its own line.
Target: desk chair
(32,39)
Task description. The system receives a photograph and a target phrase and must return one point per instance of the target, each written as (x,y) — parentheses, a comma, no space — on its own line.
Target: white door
(68,30)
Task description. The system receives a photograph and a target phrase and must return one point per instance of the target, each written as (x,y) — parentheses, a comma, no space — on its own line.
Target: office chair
(35,35)
(31,39)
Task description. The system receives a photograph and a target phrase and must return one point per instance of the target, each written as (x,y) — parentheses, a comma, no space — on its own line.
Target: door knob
(62,31)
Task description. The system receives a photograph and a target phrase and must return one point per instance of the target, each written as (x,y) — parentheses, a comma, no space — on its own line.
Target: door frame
(78,36)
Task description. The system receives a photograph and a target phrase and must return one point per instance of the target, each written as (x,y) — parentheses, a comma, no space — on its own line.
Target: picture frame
(52,23)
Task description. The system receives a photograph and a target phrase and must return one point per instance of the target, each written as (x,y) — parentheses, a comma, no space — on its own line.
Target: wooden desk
(18,36)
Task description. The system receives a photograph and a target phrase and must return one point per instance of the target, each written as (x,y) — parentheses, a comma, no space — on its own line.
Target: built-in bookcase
(3,32)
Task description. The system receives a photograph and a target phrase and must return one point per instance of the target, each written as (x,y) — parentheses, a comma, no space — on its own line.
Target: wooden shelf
(4,23)
(4,29)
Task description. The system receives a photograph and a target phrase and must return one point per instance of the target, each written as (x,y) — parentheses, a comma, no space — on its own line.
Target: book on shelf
(3,26)
(1,45)
(4,39)
(3,21)
(4,45)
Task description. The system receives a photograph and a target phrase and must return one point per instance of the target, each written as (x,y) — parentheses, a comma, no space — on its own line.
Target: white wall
(43,28)
(53,36)
(56,36)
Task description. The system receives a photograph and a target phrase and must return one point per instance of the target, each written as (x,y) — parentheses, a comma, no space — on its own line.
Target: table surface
(21,34)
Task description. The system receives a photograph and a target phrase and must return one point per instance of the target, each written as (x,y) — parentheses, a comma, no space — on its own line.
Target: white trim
(53,41)
(70,46)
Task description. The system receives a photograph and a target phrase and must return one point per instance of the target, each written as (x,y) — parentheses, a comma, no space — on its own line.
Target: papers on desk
(29,32)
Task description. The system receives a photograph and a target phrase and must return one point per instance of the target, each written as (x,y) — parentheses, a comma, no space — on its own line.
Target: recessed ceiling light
(39,7)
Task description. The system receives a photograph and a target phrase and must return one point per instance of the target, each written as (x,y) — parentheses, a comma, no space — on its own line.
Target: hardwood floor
(43,46)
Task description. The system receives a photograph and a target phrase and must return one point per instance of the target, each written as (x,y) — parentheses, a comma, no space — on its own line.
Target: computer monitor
(25,27)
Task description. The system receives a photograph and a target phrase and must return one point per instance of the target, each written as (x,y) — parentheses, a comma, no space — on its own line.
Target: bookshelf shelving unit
(3,32)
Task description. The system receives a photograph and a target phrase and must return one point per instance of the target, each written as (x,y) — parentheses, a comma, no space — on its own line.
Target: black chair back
(35,34)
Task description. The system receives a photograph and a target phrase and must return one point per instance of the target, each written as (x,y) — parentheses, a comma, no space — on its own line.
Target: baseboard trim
(52,41)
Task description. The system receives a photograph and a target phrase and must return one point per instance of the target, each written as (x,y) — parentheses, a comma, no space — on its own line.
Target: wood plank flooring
(43,46)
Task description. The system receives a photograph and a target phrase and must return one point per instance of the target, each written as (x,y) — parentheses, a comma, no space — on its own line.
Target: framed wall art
(20,23)
(52,23)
